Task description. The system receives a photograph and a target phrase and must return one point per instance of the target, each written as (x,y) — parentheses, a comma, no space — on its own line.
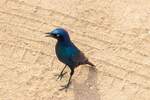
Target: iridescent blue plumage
(67,52)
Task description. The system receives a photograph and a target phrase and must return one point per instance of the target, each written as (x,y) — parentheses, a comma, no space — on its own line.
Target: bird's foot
(65,87)
(60,76)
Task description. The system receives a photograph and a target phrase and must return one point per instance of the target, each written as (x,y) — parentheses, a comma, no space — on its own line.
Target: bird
(67,52)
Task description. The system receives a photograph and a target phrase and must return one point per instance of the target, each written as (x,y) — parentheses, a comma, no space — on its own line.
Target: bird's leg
(60,76)
(69,81)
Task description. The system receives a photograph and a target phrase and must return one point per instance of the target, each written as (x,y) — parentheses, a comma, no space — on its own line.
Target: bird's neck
(64,42)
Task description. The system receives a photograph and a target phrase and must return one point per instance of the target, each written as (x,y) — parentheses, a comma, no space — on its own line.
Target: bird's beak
(48,34)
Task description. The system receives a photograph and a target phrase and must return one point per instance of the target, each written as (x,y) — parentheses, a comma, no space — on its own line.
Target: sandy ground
(114,34)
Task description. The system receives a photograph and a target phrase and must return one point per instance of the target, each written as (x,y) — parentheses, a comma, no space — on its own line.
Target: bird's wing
(76,56)
(79,58)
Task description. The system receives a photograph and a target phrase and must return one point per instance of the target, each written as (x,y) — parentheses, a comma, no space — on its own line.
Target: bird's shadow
(87,90)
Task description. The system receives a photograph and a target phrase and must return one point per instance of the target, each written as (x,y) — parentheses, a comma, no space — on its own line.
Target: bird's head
(59,33)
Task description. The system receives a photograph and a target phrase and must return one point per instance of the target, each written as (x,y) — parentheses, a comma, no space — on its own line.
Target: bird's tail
(89,63)
(92,65)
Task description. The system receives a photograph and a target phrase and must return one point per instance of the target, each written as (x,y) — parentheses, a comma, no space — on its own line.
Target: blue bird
(67,52)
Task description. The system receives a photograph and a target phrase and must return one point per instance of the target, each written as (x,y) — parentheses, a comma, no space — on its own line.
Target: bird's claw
(64,87)
(60,76)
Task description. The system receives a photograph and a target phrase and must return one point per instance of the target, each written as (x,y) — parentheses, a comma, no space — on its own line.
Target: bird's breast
(62,53)
(65,53)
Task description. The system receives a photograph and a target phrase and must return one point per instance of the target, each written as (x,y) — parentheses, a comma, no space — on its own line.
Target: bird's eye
(57,35)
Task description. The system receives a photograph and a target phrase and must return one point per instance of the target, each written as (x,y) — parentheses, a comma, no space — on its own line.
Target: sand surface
(114,34)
